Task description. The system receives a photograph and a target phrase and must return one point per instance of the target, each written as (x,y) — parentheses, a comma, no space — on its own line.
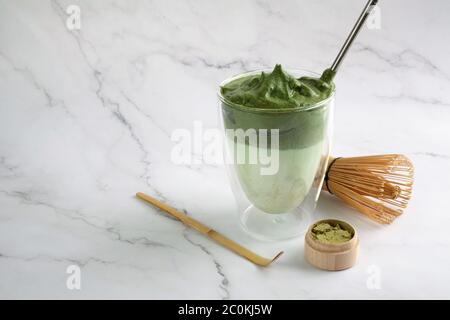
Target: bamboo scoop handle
(216,236)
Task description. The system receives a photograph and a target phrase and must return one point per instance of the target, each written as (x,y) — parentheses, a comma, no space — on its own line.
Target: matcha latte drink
(277,126)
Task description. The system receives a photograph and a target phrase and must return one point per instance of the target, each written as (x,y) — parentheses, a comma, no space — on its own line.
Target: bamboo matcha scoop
(216,236)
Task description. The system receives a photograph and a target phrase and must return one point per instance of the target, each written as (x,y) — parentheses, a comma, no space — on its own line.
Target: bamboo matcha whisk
(377,186)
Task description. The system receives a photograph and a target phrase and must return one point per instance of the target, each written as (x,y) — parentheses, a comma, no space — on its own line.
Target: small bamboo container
(332,256)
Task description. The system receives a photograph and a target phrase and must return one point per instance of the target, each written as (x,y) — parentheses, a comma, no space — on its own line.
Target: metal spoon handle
(359,23)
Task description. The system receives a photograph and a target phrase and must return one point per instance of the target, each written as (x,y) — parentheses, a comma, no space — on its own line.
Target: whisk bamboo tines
(378,186)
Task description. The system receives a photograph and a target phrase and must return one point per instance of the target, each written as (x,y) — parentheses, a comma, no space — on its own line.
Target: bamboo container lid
(332,256)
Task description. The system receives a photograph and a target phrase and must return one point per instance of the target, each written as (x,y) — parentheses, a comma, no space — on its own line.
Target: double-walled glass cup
(277,160)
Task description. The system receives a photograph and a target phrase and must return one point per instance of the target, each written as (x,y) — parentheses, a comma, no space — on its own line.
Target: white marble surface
(86,118)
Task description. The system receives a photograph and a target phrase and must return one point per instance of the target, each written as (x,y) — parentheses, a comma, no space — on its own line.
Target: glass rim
(271,110)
